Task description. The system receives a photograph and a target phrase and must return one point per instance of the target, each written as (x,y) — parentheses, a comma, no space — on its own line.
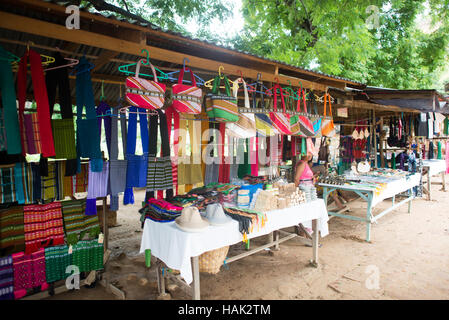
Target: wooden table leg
(443,178)
(160,280)
(105,225)
(429,186)
(315,241)
(276,238)
(196,279)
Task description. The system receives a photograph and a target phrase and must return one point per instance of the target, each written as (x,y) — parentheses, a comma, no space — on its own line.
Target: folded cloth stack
(230,199)
(88,255)
(184,200)
(243,199)
(160,211)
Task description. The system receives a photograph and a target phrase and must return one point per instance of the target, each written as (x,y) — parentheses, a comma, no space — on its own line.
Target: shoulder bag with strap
(264,126)
(280,120)
(301,125)
(222,107)
(328,128)
(187,99)
(245,127)
(145,93)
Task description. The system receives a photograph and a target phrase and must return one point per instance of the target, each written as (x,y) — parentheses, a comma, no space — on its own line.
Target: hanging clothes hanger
(72,62)
(102,90)
(208,83)
(47,59)
(259,83)
(125,68)
(148,111)
(199,80)
(250,88)
(270,92)
(77,71)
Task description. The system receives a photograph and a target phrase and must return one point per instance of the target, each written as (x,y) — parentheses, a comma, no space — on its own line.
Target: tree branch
(126,6)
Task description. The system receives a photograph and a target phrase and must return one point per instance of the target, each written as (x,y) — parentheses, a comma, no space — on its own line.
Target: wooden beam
(42,28)
(104,58)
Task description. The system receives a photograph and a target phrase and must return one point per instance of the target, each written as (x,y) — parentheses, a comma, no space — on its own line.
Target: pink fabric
(29,272)
(163,204)
(447,157)
(253,156)
(145,101)
(307,174)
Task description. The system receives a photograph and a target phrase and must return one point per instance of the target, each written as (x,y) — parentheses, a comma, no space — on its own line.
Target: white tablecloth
(435,166)
(397,186)
(175,247)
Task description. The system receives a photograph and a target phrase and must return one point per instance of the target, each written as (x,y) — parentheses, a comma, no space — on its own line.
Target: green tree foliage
(171,15)
(334,36)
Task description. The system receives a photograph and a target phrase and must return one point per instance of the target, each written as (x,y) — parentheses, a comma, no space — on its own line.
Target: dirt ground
(408,252)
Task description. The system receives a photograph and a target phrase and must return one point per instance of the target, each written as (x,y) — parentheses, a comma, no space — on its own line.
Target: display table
(392,188)
(179,250)
(434,167)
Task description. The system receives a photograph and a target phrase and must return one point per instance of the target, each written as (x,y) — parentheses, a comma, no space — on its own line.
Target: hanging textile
(57,259)
(224,169)
(244,166)
(211,174)
(13,144)
(160,174)
(431,151)
(87,137)
(7,187)
(88,255)
(447,156)
(173,116)
(63,129)
(97,187)
(136,172)
(37,136)
(117,168)
(439,155)
(189,167)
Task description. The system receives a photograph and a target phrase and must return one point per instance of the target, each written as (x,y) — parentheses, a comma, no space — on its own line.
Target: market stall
(433,168)
(374,187)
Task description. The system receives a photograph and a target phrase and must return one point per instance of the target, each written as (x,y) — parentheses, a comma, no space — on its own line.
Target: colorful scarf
(76,223)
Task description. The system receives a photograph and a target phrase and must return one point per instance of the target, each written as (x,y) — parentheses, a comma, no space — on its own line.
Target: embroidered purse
(187,99)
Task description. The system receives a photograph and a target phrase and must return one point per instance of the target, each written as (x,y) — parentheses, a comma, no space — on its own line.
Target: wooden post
(429,185)
(443,180)
(315,241)
(196,278)
(381,144)
(105,225)
(373,134)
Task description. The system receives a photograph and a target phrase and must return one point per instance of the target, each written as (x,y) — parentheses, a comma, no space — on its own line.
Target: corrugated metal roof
(205,41)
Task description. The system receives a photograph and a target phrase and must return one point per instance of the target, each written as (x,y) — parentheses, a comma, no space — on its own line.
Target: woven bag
(211,261)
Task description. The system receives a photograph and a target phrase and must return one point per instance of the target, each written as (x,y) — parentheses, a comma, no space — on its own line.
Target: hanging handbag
(63,129)
(136,172)
(301,124)
(36,134)
(318,120)
(87,133)
(280,120)
(264,126)
(245,127)
(328,128)
(222,107)
(187,99)
(159,172)
(145,93)
(117,168)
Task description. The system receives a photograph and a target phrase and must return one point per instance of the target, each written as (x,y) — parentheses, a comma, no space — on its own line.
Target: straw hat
(215,215)
(191,220)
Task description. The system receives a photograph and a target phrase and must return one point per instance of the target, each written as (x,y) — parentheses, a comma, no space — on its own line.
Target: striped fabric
(76,223)
(43,226)
(77,183)
(222,108)
(64,138)
(281,122)
(12,236)
(98,182)
(145,93)
(6,278)
(88,255)
(30,131)
(49,184)
(159,175)
(57,259)
(187,99)
(7,187)
(23,183)
(29,271)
